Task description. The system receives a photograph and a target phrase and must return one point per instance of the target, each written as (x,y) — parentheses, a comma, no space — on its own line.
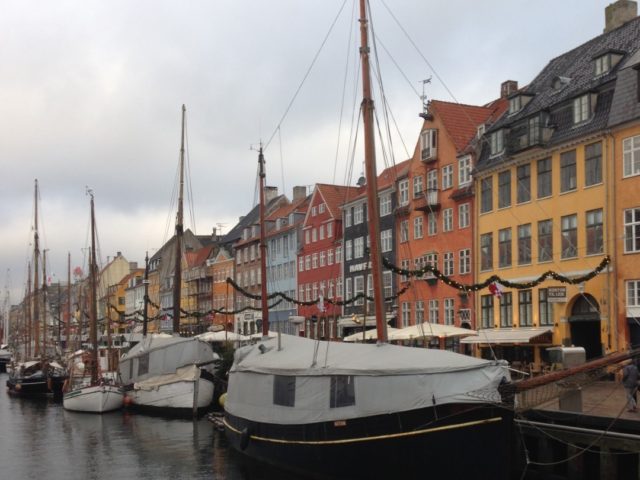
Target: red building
(320,259)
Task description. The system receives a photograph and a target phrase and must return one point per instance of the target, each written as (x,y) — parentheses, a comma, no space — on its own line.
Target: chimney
(270,193)
(507,88)
(619,13)
(299,193)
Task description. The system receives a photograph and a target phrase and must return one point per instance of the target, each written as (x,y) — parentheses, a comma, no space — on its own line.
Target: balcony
(428,202)
(429,155)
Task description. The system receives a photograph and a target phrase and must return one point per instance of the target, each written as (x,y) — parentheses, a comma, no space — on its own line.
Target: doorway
(585,326)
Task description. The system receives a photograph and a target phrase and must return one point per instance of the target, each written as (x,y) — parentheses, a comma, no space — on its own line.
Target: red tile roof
(461,121)
(335,195)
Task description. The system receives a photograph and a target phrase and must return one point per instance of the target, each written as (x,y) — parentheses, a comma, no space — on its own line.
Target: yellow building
(545,184)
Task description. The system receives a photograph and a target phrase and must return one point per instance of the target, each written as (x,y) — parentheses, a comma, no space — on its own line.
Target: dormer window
(429,144)
(582,108)
(604,62)
(497,142)
(560,82)
(515,104)
(480,131)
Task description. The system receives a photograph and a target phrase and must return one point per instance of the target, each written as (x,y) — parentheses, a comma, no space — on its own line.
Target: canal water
(43,441)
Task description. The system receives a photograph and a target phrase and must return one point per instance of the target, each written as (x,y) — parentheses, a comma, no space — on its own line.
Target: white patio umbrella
(371,334)
(428,330)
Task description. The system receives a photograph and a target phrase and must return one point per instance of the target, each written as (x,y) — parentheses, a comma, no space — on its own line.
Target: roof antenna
(423,97)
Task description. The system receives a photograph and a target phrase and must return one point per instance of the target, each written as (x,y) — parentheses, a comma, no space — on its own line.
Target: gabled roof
(334,196)
(461,121)
(198,257)
(386,179)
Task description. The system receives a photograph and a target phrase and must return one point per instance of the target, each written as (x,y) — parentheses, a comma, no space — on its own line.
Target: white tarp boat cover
(163,355)
(190,373)
(387,378)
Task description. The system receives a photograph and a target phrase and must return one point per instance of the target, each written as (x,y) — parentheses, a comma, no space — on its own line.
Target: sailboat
(100,394)
(37,375)
(340,410)
(169,374)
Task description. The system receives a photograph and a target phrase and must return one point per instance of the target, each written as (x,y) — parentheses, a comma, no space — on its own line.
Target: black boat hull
(453,441)
(36,386)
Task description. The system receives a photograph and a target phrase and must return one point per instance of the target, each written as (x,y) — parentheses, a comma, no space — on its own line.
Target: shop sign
(557,294)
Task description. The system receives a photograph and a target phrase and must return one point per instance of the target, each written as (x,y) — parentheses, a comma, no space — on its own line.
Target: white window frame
(385,204)
(464,261)
(418,227)
(464,215)
(447,220)
(447,177)
(464,170)
(631,156)
(403,192)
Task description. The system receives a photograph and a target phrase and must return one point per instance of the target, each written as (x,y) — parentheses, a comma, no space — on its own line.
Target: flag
(496,289)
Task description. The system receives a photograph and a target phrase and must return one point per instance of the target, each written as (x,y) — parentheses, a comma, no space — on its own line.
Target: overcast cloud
(91,93)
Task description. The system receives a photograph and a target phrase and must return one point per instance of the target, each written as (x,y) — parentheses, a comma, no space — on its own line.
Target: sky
(91,95)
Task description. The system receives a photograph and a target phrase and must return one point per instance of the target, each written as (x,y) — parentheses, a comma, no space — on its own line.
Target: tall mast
(145,315)
(67,326)
(93,313)
(371,176)
(36,256)
(177,278)
(263,250)
(44,302)
(27,349)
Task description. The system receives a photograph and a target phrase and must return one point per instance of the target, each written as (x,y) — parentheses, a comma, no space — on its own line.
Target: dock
(602,441)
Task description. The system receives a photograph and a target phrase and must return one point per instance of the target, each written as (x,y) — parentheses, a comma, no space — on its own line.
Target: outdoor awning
(371,334)
(535,335)
(348,321)
(427,329)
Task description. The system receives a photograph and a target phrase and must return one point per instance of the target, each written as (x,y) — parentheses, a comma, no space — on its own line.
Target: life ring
(245,436)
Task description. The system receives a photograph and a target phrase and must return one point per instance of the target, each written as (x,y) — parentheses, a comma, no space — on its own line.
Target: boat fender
(245,435)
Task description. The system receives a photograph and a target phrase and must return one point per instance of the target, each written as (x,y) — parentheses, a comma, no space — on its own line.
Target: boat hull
(28,387)
(181,398)
(448,442)
(94,399)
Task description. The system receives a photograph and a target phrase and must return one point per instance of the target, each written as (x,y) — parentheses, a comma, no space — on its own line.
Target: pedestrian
(630,383)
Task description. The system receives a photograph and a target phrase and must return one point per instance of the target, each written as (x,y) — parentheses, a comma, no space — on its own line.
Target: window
(307,262)
(525,311)
(329,230)
(406,314)
(385,204)
(464,215)
(631,156)
(569,236)
(447,219)
(343,393)
(432,185)
(417,227)
(595,242)
(322,258)
(314,211)
(534,130)
(433,311)
(347,217)
(447,264)
(544,178)
(348,252)
(301,264)
(358,214)
(515,104)
(486,194)
(429,144)
(486,309)
(321,208)
(504,247)
(545,308)
(602,64)
(348,288)
(506,310)
(314,235)
(404,265)
(284,390)
(404,231)
(633,293)
(524,244)
(632,230)
(581,109)
(386,243)
(330,256)
(447,177)
(432,223)
(504,189)
(338,254)
(497,142)
(386,284)
(419,311)
(545,241)
(358,247)
(486,251)
(449,312)
(321,232)
(523,189)
(314,260)
(568,179)
(358,289)
(403,192)
(464,261)
(593,164)
(417,186)
(464,171)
